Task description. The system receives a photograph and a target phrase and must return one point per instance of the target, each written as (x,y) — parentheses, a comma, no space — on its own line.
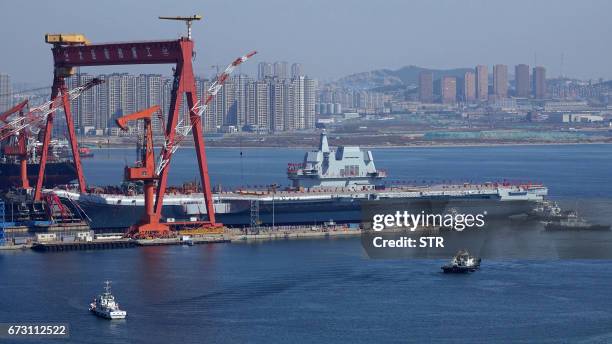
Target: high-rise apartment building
(482,83)
(500,81)
(468,89)
(539,82)
(448,89)
(278,104)
(5,92)
(270,104)
(296,70)
(299,121)
(281,70)
(521,80)
(309,103)
(241,82)
(101,120)
(86,110)
(264,70)
(426,87)
(259,105)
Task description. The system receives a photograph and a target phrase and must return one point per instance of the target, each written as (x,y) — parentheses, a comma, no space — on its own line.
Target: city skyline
(270,104)
(258,26)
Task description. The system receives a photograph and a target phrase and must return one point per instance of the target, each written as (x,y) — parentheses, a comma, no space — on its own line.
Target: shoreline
(231,236)
(434,145)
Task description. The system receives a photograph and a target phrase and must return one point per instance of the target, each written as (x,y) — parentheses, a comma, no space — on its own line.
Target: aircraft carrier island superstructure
(344,167)
(328,184)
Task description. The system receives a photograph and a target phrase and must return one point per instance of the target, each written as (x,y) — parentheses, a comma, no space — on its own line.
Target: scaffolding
(2,222)
(255,222)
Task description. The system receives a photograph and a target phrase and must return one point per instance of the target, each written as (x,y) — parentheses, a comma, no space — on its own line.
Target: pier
(43,243)
(83,245)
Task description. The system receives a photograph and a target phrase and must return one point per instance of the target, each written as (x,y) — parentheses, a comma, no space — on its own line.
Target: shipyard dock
(62,242)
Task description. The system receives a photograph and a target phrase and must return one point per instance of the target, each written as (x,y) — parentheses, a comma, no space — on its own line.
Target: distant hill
(403,77)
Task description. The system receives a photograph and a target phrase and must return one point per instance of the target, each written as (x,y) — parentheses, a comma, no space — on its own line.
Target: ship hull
(56,173)
(341,210)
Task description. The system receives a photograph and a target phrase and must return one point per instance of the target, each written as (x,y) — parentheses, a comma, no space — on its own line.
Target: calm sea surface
(325,290)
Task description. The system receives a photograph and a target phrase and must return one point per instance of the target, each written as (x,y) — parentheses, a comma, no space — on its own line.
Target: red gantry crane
(71,51)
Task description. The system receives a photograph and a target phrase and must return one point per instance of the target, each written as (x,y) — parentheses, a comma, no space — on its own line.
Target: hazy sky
(331,38)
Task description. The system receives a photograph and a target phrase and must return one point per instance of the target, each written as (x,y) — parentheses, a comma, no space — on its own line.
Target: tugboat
(574,223)
(548,210)
(462,262)
(105,305)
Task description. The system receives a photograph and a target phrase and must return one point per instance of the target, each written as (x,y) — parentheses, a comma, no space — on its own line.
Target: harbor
(76,241)
(305,172)
(331,185)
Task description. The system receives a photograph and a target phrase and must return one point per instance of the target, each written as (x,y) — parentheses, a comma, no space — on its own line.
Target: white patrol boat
(105,305)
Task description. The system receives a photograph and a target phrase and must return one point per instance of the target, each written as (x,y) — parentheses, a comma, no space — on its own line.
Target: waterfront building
(281,70)
(482,83)
(468,89)
(264,70)
(258,105)
(521,77)
(426,87)
(500,81)
(539,82)
(448,89)
(296,70)
(5,92)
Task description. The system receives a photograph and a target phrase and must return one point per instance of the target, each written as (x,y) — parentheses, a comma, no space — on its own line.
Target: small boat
(105,305)
(548,210)
(574,223)
(85,152)
(462,262)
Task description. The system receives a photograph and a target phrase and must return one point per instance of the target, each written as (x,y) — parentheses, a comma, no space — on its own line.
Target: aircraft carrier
(329,184)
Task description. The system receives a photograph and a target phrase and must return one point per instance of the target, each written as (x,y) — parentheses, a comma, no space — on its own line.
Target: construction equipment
(150,225)
(144,171)
(39,113)
(18,127)
(66,39)
(177,52)
(20,147)
(187,21)
(183,130)
(177,131)
(17,108)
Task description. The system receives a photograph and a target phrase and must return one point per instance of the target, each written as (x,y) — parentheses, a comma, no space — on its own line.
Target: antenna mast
(187,21)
